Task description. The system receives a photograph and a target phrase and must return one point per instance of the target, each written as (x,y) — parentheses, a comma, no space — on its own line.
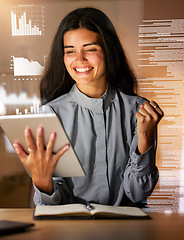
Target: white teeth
(82,69)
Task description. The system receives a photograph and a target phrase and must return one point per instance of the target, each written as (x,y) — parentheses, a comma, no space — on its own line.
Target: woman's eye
(69,52)
(91,50)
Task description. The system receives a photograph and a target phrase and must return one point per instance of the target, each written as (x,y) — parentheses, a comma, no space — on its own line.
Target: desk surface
(161,226)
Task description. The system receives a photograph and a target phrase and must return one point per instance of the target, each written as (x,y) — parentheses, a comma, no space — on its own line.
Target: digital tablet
(8,227)
(14,126)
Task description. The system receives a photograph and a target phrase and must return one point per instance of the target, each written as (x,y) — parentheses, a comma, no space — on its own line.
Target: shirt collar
(95,104)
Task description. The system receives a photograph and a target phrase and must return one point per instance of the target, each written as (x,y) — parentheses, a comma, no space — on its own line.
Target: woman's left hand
(148,117)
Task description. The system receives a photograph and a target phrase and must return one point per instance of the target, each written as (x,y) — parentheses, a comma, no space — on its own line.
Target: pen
(89,207)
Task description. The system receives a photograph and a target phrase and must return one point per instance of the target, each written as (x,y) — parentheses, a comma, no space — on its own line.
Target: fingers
(50,144)
(151,110)
(62,151)
(20,152)
(156,108)
(40,139)
(37,153)
(38,147)
(57,156)
(30,141)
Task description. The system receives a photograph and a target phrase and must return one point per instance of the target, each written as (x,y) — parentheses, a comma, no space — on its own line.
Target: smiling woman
(90,86)
(84,59)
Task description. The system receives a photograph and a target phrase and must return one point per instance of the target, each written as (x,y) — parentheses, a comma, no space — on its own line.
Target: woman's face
(84,58)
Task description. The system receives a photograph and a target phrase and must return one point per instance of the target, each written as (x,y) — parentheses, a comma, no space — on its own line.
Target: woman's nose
(81,56)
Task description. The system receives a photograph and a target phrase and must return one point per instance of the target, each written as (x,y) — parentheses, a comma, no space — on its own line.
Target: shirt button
(133,164)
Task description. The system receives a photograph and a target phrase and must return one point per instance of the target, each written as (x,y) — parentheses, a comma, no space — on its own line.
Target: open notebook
(88,211)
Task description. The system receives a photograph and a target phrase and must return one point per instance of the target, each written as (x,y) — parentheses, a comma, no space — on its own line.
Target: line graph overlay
(23,67)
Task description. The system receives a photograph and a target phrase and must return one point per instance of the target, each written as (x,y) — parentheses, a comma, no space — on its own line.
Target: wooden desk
(160,227)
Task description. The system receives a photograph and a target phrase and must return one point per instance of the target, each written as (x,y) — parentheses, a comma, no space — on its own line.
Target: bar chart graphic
(28,20)
(23,67)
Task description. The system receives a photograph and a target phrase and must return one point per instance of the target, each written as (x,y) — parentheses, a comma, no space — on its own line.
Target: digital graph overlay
(28,20)
(24,67)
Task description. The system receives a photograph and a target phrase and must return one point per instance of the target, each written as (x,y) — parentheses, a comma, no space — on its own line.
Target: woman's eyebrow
(68,46)
(85,45)
(88,44)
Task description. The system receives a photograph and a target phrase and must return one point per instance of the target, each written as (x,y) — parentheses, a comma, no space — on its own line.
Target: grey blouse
(103,134)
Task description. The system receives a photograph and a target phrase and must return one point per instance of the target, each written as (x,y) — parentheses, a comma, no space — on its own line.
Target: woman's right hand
(40,162)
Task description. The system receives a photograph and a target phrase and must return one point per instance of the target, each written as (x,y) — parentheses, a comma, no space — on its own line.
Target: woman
(90,86)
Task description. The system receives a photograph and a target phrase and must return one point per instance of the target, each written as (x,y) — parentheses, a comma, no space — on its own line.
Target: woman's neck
(92,91)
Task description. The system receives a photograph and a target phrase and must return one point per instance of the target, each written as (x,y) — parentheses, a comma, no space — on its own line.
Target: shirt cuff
(144,163)
(41,198)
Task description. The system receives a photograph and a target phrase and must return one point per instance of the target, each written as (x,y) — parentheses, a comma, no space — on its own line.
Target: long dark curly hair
(56,81)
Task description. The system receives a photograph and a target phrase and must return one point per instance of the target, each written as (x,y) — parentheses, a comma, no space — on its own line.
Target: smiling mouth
(82,69)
